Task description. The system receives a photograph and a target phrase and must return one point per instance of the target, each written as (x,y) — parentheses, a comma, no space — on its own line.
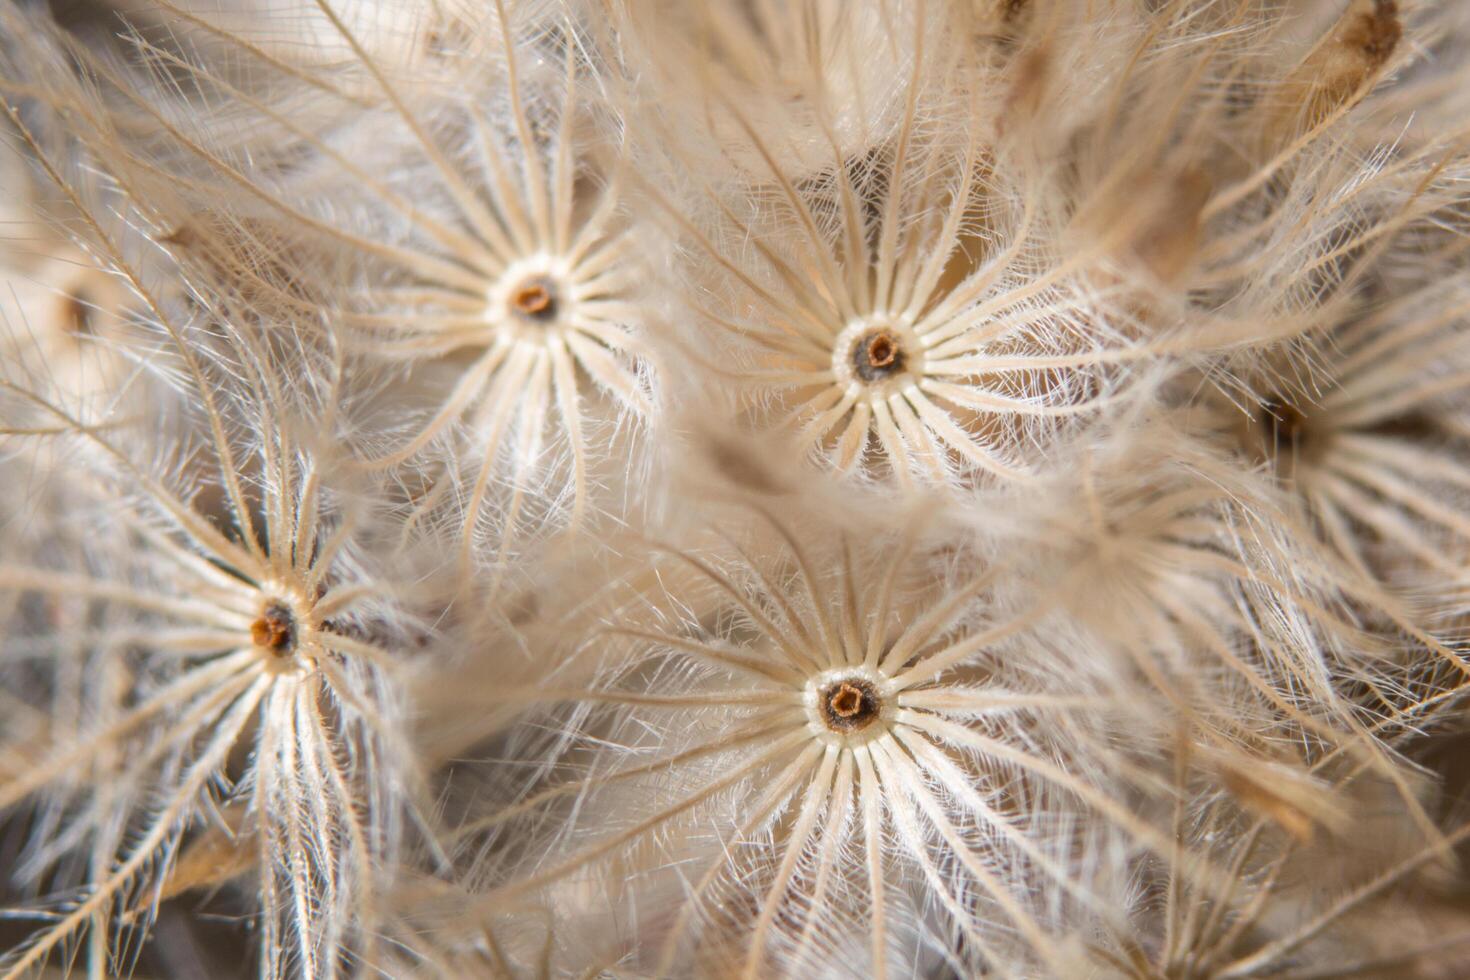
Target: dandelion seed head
(808,743)
(1104,361)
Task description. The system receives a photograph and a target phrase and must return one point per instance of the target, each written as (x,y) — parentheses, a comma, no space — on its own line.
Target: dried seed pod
(855,723)
(1338,71)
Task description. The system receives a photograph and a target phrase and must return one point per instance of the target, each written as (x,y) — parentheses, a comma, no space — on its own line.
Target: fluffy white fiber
(734,488)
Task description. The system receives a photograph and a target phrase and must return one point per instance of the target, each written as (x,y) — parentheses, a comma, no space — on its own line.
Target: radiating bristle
(818,488)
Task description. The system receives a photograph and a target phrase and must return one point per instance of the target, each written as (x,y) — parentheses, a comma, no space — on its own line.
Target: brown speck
(877,355)
(275,630)
(847,702)
(184,236)
(1285,425)
(77,314)
(1283,436)
(850,705)
(534,299)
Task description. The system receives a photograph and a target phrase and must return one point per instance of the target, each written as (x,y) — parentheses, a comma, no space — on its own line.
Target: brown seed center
(534,299)
(77,314)
(877,355)
(847,702)
(850,705)
(1284,426)
(275,630)
(1286,438)
(882,351)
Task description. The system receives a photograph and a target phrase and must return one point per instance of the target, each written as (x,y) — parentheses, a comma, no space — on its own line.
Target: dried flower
(821,488)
